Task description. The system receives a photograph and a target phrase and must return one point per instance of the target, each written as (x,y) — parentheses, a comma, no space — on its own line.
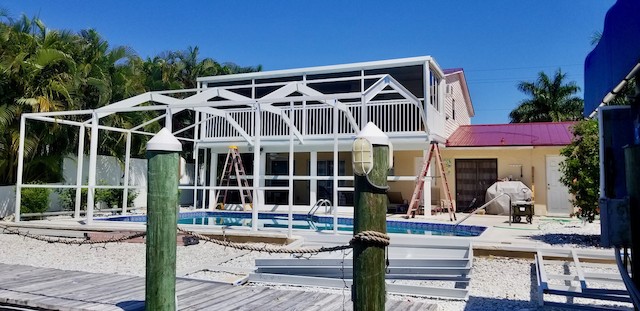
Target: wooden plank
(276,301)
(99,287)
(56,281)
(326,301)
(6,273)
(29,280)
(94,285)
(73,290)
(80,297)
(300,300)
(261,293)
(211,297)
(133,289)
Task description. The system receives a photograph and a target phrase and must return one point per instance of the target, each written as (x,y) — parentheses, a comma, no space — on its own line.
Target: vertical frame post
(335,168)
(125,182)
(256,167)
(93,160)
(23,130)
(291,158)
(80,170)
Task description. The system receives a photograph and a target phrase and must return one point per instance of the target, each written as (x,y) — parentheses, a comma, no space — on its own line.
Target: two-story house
(315,113)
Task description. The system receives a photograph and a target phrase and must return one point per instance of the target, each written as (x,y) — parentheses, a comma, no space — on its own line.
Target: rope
(372,238)
(367,238)
(71,241)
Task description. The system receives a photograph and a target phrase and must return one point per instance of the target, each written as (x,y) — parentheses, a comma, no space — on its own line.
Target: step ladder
(414,204)
(234,162)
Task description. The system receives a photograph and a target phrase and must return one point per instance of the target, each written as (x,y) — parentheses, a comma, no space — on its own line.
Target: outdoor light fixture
(362,150)
(362,156)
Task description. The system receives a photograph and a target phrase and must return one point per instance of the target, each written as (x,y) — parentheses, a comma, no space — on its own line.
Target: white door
(558,197)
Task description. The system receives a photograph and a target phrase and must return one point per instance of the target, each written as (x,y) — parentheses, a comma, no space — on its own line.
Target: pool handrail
(484,206)
(322,202)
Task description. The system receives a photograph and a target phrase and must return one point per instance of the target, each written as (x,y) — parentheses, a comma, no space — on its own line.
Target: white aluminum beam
(388,80)
(79,170)
(268,106)
(23,130)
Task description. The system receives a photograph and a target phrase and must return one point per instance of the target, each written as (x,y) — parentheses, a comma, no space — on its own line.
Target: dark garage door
(473,177)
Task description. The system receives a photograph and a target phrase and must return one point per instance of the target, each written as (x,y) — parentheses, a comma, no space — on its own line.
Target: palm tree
(551,99)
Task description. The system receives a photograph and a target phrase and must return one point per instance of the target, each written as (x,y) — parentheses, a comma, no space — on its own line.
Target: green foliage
(34,200)
(45,70)
(67,198)
(113,197)
(581,169)
(551,100)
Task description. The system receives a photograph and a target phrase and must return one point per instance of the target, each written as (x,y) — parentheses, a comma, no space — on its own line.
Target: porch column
(426,193)
(204,178)
(213,179)
(313,172)
(256,167)
(263,172)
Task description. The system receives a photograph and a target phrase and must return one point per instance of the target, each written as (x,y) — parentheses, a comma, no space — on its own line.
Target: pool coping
(342,220)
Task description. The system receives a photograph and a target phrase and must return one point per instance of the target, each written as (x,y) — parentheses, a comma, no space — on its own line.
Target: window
(434,88)
(325,187)
(453,109)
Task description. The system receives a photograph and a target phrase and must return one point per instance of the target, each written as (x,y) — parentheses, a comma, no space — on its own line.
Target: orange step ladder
(234,162)
(414,204)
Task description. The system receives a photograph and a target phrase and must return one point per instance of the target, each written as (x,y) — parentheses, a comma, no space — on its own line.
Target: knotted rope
(372,238)
(368,238)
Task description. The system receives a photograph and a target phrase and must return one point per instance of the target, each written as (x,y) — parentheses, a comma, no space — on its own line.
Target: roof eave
(321,69)
(465,91)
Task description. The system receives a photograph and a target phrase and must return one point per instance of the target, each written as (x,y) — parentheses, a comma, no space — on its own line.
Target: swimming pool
(306,222)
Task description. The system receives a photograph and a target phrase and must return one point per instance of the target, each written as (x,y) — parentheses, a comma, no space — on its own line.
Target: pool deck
(53,289)
(500,236)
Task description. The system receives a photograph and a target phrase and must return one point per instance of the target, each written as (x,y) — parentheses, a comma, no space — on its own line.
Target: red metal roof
(513,134)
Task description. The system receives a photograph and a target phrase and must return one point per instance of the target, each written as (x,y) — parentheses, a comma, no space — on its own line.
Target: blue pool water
(306,222)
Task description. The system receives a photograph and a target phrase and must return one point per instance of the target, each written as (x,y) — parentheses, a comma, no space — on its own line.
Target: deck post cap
(374,135)
(164,141)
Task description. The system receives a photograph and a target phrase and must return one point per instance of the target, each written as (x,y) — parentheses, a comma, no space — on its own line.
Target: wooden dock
(53,289)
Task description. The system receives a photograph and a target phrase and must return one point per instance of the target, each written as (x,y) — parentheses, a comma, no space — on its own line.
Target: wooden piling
(162,204)
(370,208)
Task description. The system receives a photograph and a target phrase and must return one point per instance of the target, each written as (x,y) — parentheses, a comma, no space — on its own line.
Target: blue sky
(497,42)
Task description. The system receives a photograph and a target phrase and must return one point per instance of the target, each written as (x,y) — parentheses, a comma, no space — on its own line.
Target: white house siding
(462,114)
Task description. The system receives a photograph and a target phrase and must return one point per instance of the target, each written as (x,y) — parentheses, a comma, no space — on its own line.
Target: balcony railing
(317,120)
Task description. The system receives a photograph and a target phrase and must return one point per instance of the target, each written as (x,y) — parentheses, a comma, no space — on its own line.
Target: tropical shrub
(67,198)
(581,169)
(34,200)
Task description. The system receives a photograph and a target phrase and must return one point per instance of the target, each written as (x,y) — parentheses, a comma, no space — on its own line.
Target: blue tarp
(616,54)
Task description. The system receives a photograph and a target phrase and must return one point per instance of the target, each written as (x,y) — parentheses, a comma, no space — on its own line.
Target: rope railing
(369,238)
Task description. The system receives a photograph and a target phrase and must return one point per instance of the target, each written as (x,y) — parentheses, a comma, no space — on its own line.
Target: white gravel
(496,283)
(574,234)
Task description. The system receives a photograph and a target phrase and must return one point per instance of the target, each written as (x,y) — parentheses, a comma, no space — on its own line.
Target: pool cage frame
(291,92)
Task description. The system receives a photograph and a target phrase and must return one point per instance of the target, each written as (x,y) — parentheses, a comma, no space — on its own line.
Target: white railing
(393,116)
(397,116)
(219,127)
